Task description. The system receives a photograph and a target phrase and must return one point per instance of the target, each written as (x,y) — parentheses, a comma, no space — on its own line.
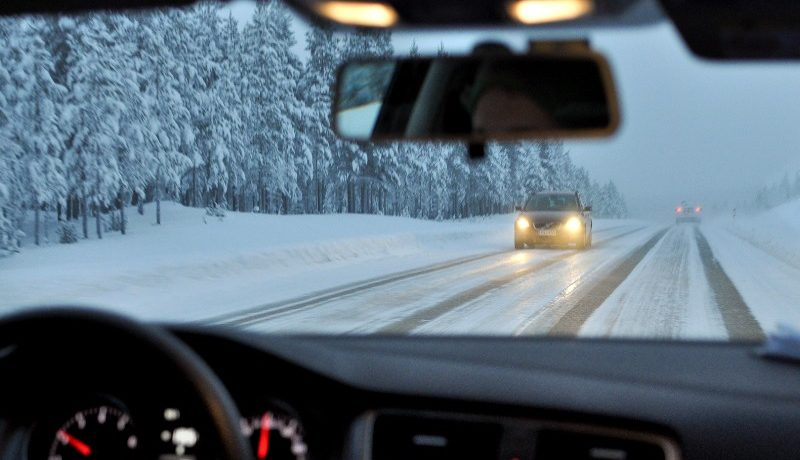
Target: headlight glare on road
(523,223)
(573,224)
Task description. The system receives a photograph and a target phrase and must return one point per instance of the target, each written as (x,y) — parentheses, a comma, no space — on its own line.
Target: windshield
(180,165)
(552,202)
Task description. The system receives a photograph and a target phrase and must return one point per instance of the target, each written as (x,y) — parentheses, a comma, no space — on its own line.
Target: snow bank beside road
(187,269)
(776,231)
(761,255)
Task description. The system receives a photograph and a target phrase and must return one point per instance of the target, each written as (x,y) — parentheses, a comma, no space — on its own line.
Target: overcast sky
(691,130)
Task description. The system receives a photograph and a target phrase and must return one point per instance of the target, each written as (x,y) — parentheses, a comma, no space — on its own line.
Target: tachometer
(98,433)
(276,435)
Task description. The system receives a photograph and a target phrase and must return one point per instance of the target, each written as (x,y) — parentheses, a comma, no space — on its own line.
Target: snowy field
(722,279)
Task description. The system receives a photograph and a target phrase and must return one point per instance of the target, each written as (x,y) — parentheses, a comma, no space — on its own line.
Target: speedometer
(102,432)
(276,435)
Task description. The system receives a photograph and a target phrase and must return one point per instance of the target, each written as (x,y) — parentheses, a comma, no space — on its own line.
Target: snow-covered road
(378,274)
(638,280)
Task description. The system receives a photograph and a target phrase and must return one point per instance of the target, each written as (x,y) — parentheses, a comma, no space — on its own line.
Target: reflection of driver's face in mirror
(505,104)
(503,110)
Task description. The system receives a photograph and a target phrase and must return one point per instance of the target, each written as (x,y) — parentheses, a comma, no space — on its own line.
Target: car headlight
(523,223)
(573,224)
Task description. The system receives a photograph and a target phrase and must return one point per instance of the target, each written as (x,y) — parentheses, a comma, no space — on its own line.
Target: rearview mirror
(476,98)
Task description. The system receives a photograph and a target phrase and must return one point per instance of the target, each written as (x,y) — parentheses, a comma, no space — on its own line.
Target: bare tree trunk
(37,213)
(122,202)
(140,204)
(364,199)
(351,196)
(194,187)
(319,196)
(158,200)
(85,217)
(97,222)
(263,199)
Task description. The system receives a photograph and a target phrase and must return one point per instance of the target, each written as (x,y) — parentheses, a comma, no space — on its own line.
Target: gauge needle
(263,440)
(81,447)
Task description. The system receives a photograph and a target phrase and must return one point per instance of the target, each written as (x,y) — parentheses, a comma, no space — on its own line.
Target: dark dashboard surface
(719,400)
(710,400)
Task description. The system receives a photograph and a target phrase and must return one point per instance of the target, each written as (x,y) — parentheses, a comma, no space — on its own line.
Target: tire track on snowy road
(265,312)
(738,319)
(572,320)
(279,308)
(409,323)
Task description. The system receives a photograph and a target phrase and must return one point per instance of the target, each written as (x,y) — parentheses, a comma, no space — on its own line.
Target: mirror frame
(564,54)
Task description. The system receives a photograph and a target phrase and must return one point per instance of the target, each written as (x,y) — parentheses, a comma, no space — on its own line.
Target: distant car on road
(553,218)
(688,213)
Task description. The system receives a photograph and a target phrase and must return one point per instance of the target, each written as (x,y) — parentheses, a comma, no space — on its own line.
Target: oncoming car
(553,218)
(688,213)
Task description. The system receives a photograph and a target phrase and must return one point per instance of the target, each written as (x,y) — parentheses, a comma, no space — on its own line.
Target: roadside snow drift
(776,231)
(761,255)
(194,265)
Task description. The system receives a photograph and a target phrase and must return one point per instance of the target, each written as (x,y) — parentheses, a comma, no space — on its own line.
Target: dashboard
(392,398)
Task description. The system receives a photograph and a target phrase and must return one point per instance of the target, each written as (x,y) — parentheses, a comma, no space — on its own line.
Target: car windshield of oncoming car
(552,202)
(179,165)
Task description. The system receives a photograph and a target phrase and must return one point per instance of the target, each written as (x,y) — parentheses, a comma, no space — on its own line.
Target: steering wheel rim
(222,410)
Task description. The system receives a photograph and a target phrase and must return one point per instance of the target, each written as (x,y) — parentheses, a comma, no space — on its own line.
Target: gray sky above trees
(695,130)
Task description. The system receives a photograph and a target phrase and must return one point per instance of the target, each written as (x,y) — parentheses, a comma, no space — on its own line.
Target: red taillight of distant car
(697,210)
(679,210)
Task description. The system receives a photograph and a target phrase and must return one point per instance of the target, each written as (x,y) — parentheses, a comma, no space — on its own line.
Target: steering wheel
(102,334)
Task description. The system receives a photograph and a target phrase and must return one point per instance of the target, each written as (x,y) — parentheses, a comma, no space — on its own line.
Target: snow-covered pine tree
(614,205)
(135,158)
(269,79)
(319,140)
(169,122)
(230,111)
(104,90)
(11,186)
(36,128)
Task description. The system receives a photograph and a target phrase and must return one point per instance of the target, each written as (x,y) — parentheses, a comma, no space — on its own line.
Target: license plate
(547,233)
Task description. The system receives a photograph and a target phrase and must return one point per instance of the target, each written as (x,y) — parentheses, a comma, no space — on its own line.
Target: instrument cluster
(105,429)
